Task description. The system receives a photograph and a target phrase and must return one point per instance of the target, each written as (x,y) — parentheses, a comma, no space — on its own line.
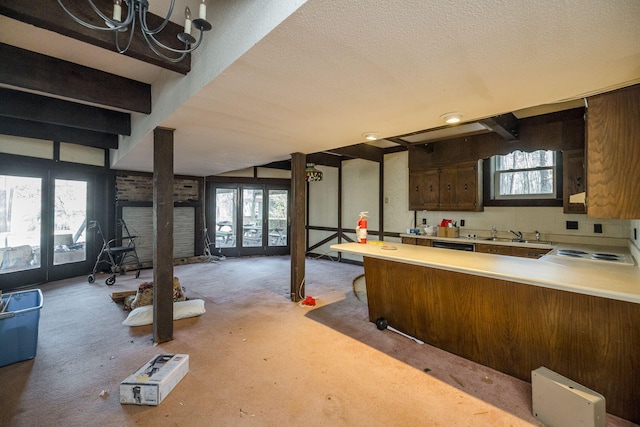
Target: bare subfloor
(256,359)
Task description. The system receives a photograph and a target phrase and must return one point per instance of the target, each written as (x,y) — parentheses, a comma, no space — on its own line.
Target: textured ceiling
(332,71)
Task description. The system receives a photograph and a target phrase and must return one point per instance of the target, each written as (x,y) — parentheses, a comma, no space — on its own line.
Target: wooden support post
(298,202)
(162,235)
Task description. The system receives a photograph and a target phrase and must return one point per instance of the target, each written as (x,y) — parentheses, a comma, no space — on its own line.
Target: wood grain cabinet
(573,179)
(529,252)
(518,251)
(424,190)
(613,154)
(494,249)
(448,188)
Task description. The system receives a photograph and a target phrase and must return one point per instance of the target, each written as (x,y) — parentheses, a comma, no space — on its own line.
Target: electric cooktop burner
(593,256)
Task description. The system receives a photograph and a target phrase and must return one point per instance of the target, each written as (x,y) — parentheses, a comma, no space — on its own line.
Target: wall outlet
(572,225)
(462,223)
(597,228)
(424,221)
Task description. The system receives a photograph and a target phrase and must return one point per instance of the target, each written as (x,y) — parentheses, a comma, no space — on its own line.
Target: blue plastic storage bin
(19,326)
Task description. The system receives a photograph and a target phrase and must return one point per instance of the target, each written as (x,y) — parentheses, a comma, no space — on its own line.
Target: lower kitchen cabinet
(529,252)
(494,249)
(518,251)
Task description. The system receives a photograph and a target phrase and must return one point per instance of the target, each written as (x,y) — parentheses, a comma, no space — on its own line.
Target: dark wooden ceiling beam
(28,70)
(505,125)
(48,132)
(325,159)
(399,141)
(49,15)
(360,151)
(42,109)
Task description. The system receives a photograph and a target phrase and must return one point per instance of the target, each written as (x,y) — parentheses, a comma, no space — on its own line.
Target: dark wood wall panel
(515,328)
(558,131)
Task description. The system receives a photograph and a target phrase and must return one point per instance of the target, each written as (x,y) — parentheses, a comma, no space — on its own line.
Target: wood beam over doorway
(162,235)
(298,208)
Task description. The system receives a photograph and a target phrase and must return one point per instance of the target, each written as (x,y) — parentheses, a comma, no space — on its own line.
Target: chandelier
(311,173)
(118,25)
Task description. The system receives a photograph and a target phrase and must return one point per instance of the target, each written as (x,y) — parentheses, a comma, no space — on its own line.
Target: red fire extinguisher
(361,228)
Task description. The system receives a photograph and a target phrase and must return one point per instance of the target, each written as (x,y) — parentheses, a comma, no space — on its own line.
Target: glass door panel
(278,212)
(20,223)
(251,217)
(70,221)
(226,214)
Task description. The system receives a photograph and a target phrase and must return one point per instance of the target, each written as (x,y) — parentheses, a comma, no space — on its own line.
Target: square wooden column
(162,235)
(298,204)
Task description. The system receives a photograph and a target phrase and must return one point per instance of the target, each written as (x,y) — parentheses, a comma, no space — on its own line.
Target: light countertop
(602,279)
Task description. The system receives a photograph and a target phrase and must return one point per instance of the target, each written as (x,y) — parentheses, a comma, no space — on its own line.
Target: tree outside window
(525,175)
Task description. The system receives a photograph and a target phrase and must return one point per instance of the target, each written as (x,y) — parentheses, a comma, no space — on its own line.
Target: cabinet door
(467,187)
(573,179)
(409,240)
(613,154)
(423,190)
(448,185)
(529,252)
(494,249)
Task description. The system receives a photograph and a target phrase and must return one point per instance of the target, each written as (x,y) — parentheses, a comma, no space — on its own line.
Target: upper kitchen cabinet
(424,190)
(459,187)
(454,187)
(613,154)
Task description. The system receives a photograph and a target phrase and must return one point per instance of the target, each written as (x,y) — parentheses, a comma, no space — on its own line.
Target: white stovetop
(603,279)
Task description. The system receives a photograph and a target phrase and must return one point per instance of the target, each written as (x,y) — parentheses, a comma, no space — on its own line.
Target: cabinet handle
(431,188)
(448,187)
(578,181)
(466,187)
(417,188)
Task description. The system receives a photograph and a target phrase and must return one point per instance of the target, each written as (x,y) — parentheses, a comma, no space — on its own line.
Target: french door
(249,219)
(43,233)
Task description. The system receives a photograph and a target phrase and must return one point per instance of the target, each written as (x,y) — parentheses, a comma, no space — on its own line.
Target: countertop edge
(556,274)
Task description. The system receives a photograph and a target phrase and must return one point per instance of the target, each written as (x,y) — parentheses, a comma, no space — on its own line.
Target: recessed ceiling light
(371,136)
(451,118)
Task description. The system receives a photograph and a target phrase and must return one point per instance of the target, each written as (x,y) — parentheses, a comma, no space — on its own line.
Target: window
(520,175)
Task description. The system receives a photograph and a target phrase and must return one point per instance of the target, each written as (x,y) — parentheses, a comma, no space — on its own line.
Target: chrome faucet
(518,234)
(494,233)
(537,236)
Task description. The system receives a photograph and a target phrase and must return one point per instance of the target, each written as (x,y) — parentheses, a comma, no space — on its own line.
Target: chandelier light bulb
(203,10)
(187,20)
(117,10)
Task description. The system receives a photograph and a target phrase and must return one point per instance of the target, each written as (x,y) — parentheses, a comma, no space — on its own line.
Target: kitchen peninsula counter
(602,279)
(578,318)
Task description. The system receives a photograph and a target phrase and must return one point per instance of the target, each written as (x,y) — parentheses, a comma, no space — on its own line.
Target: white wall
(360,192)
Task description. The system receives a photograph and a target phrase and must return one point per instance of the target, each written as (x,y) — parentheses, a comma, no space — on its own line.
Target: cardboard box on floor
(150,384)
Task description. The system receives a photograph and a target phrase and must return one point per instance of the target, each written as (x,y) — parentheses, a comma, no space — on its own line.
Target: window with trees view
(520,175)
